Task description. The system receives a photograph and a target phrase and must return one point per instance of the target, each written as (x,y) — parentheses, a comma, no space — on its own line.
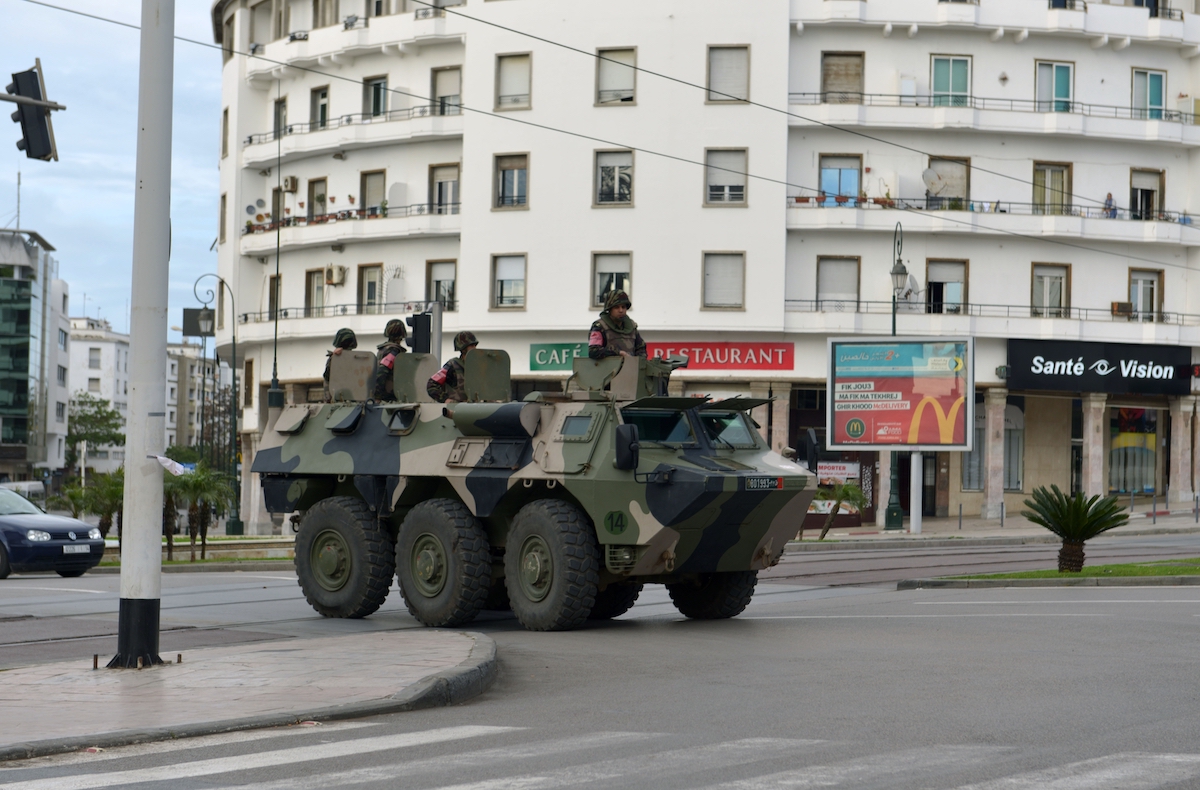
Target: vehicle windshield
(660,425)
(728,428)
(13,504)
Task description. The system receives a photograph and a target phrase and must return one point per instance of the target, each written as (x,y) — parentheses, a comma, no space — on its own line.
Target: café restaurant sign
(1113,368)
(729,356)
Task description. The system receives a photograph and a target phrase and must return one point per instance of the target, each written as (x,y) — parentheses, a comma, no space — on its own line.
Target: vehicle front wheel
(551,566)
(444,563)
(5,568)
(615,600)
(715,596)
(344,560)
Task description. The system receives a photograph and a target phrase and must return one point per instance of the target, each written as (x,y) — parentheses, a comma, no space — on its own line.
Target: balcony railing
(373,212)
(428,13)
(336,310)
(941,203)
(983,103)
(1069,5)
(355,119)
(992,311)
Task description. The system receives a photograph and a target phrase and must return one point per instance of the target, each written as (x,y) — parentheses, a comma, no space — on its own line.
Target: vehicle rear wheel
(615,600)
(5,568)
(72,574)
(344,560)
(715,596)
(444,563)
(551,566)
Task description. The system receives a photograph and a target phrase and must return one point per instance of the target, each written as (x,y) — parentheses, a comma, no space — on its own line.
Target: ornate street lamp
(894,517)
(234,525)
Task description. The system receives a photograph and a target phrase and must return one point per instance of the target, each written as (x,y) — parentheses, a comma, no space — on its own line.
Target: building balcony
(349,132)
(354,226)
(337,311)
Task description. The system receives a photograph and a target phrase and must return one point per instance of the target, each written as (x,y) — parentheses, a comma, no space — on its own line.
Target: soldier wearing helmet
(344,340)
(615,333)
(388,351)
(449,385)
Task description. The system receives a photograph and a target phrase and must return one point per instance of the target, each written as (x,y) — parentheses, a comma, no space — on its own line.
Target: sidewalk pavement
(64,707)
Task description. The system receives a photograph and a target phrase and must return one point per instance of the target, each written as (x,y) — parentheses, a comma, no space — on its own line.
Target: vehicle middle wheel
(443,562)
(551,566)
(344,559)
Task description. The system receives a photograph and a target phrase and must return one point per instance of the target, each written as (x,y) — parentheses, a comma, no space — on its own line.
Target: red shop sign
(729,356)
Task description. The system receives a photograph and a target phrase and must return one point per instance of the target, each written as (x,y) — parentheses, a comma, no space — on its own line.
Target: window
(447,90)
(221,220)
(951,82)
(726,177)
(314,293)
(171,395)
(508,280)
(375,96)
(370,289)
(610,272)
(175,365)
(441,283)
(371,192)
(318,117)
(14,430)
(1054,87)
(277,203)
(841,77)
(273,294)
(94,358)
(170,439)
(64,303)
(1149,94)
(248,383)
(946,285)
(512,82)
(1145,293)
(317,199)
(171,416)
(511,180)
(260,23)
(62,376)
(227,41)
(443,189)
(1014,444)
(225,133)
(840,178)
(280,118)
(1051,291)
(93,385)
(837,284)
(724,279)
(1051,188)
(220,310)
(63,339)
(1145,189)
(377,7)
(324,13)
(947,187)
(729,74)
(614,177)
(615,76)
(60,412)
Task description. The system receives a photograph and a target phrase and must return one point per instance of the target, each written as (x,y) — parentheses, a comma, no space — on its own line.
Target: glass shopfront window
(1133,459)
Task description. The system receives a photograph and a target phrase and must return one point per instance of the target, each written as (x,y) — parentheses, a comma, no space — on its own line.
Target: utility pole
(141,558)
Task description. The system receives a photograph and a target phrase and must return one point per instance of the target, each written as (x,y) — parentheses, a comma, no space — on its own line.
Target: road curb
(449,687)
(867,544)
(214,567)
(1087,581)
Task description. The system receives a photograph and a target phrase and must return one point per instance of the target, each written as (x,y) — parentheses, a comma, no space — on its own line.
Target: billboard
(900,393)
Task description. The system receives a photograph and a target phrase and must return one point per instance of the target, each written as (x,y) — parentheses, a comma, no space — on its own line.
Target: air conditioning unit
(335,275)
(299,35)
(291,183)
(1122,309)
(255,47)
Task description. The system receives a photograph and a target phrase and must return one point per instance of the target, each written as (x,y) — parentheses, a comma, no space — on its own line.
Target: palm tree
(842,493)
(173,494)
(105,497)
(73,499)
(1074,519)
(202,490)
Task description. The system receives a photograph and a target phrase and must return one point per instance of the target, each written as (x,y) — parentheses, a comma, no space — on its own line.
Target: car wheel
(715,596)
(443,563)
(615,600)
(72,574)
(344,560)
(551,566)
(5,568)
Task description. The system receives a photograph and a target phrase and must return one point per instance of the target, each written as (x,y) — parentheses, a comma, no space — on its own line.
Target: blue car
(33,540)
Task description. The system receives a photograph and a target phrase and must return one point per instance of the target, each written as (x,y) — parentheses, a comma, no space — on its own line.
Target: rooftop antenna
(18,198)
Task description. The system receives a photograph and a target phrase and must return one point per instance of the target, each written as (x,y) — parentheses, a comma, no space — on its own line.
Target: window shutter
(728,74)
(514,79)
(723,279)
(612,264)
(954,173)
(842,75)
(727,168)
(510,267)
(837,280)
(511,162)
(372,190)
(441,272)
(447,82)
(1146,179)
(615,159)
(616,74)
(942,272)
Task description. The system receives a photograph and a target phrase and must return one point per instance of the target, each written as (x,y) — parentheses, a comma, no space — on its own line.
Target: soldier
(344,340)
(388,349)
(448,385)
(615,334)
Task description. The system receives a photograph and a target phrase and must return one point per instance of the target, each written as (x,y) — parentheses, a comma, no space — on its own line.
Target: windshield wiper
(722,440)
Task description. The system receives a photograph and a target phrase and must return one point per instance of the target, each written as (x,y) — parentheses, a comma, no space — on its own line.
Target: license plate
(763,483)
(77,549)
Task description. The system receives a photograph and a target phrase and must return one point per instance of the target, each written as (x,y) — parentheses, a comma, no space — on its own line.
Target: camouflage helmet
(395,330)
(617,299)
(345,338)
(463,340)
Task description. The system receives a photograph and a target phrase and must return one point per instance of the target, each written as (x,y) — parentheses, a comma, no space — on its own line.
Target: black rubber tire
(5,567)
(371,561)
(71,574)
(615,600)
(468,563)
(497,598)
(716,596)
(573,576)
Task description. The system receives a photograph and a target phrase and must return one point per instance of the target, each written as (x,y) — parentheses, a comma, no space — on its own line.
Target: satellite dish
(933,182)
(250,210)
(260,203)
(259,218)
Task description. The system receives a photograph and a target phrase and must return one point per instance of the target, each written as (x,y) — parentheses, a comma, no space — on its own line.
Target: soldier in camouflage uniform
(388,350)
(344,340)
(449,385)
(615,333)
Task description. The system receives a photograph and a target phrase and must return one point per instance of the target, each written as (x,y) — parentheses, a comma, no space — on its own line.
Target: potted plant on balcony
(383,208)
(886,201)
(841,199)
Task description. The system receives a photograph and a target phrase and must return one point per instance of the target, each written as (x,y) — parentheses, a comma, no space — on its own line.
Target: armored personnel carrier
(560,506)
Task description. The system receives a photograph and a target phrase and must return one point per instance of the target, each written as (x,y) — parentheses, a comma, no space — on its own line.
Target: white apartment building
(397,152)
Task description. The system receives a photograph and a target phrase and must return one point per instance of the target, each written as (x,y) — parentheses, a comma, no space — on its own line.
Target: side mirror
(627,447)
(812,450)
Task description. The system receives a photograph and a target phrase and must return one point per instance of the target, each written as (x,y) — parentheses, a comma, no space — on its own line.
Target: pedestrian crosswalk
(365,755)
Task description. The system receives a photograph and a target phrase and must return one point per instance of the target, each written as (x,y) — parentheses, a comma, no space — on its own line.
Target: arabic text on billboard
(900,393)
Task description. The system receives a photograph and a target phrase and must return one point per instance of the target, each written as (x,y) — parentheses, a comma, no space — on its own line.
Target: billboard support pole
(916,489)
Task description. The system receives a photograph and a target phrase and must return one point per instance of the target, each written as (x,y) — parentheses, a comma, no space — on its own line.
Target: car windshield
(13,504)
(660,425)
(728,428)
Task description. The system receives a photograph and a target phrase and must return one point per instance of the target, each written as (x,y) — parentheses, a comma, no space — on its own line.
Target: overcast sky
(83,203)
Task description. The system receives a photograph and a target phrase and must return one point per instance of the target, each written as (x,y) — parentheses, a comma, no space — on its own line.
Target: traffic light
(418,338)
(37,135)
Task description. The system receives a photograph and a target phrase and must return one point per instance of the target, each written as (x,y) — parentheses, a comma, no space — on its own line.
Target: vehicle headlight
(37,535)
(94,534)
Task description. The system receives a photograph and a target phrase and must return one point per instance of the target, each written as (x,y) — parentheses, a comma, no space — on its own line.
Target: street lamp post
(894,517)
(234,525)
